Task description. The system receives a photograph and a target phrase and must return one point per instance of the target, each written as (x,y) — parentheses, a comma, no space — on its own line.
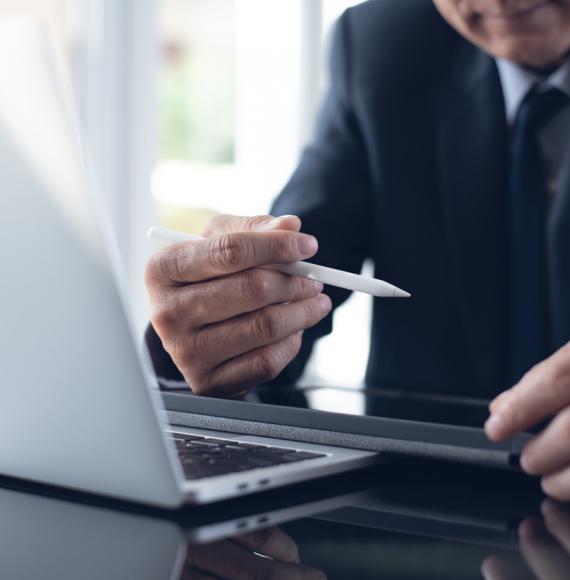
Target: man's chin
(529,52)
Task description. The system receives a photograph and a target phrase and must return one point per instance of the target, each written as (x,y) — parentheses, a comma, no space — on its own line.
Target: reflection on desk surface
(420,520)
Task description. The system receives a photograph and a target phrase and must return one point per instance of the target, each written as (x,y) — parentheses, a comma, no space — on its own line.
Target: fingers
(225,254)
(557,521)
(549,451)
(542,392)
(557,484)
(232,338)
(225,358)
(221,299)
(231,561)
(271,542)
(226,224)
(544,555)
(494,568)
(253,368)
(216,307)
(496,403)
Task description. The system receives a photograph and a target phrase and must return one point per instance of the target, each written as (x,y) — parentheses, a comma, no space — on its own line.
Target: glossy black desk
(404,520)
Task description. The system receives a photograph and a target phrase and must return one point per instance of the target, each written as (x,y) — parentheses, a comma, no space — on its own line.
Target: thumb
(226,224)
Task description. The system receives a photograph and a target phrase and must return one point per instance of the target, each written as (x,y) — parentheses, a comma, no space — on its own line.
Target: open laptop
(77,408)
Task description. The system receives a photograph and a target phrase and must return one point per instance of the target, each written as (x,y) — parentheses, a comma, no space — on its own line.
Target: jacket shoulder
(405,42)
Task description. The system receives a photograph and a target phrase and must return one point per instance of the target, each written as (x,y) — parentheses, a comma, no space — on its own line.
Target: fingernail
(308,245)
(325,303)
(493,425)
(318,286)
(524,462)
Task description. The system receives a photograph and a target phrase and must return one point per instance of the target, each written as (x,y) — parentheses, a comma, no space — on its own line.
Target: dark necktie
(530,335)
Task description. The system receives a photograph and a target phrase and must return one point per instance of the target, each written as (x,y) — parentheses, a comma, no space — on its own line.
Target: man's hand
(543,392)
(226,323)
(268,554)
(544,545)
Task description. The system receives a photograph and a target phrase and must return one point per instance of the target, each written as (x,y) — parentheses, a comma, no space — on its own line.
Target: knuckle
(266,365)
(266,325)
(197,312)
(159,268)
(163,320)
(216,225)
(199,386)
(226,250)
(284,247)
(258,286)
(168,265)
(165,316)
(257,221)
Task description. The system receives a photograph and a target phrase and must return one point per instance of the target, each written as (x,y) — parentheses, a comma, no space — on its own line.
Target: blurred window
(240,83)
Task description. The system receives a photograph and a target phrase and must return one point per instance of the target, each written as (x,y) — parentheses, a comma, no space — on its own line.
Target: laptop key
(209,457)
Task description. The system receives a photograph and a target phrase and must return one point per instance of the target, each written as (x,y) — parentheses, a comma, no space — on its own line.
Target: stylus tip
(401,293)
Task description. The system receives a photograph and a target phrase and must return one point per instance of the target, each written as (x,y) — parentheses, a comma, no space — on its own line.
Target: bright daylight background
(192,107)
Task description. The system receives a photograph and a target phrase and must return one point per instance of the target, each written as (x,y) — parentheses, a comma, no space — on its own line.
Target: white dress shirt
(554,136)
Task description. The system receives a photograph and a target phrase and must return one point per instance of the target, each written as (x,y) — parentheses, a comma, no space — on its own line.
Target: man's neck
(547,70)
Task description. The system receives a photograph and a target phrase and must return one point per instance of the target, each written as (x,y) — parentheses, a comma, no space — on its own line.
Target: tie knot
(540,105)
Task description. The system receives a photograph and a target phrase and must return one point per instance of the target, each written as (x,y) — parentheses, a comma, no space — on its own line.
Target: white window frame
(115,62)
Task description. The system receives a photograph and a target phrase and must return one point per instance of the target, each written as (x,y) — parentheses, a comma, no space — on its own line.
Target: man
(439,153)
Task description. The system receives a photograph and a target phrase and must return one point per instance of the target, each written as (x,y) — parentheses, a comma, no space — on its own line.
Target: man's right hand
(227,323)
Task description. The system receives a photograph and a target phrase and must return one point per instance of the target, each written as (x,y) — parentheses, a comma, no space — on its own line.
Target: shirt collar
(518,81)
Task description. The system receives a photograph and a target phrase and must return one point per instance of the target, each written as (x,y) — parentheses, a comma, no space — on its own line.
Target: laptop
(78,407)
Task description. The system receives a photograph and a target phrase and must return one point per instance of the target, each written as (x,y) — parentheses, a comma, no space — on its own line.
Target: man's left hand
(542,393)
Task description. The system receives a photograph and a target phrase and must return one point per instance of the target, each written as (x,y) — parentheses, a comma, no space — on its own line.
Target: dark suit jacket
(409,167)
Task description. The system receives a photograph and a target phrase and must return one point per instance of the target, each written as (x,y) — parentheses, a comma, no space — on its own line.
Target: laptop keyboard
(203,457)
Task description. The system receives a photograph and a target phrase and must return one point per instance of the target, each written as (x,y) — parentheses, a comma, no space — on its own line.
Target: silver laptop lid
(75,405)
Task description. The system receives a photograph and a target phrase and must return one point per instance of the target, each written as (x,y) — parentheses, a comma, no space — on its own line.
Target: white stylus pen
(322,274)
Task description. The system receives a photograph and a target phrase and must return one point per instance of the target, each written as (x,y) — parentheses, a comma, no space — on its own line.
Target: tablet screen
(375,402)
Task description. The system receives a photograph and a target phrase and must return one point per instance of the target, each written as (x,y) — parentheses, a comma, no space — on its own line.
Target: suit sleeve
(329,191)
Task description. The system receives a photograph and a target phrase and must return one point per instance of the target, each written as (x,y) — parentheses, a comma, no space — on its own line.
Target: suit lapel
(559,256)
(472,149)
